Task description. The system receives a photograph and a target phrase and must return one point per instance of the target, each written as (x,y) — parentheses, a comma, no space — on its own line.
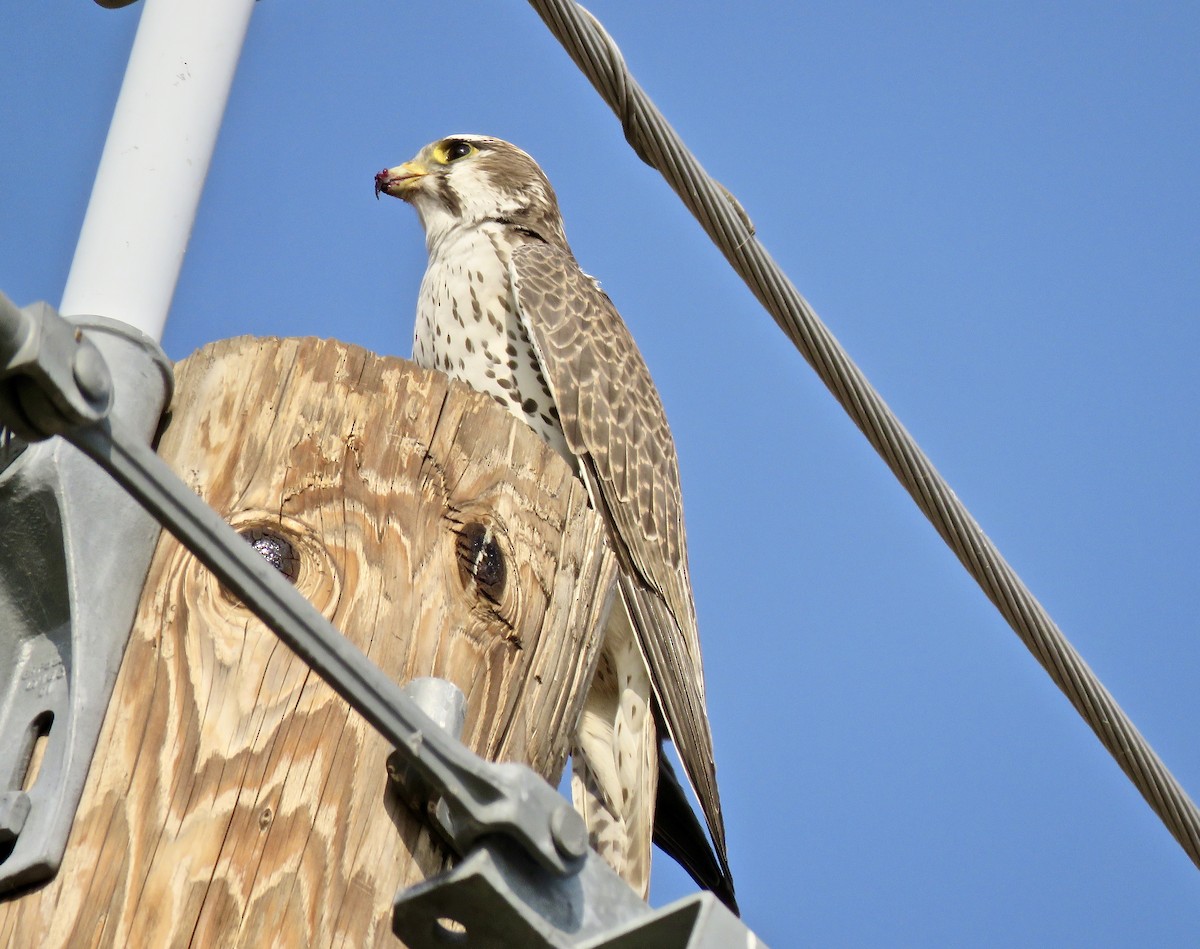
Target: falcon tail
(678,833)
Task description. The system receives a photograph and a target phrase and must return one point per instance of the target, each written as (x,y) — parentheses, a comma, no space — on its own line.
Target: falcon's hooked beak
(401,179)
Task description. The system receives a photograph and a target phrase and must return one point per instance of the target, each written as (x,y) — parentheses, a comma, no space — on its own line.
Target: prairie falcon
(505,307)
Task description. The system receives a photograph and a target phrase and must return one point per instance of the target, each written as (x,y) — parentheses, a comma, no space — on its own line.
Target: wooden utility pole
(234,800)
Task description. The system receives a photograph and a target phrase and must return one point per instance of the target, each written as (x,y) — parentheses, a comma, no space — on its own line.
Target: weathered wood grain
(234,800)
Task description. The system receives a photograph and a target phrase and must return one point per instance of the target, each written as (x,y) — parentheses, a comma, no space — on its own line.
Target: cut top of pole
(155,160)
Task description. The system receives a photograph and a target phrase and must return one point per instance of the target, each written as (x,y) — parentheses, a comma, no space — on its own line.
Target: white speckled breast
(468,327)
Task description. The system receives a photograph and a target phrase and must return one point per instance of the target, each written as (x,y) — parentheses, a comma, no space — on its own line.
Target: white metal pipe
(155,160)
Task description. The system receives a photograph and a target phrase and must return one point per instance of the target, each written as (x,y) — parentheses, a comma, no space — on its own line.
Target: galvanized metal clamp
(529,877)
(74,550)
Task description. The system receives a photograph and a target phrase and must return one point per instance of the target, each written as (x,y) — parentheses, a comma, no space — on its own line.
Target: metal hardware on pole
(74,556)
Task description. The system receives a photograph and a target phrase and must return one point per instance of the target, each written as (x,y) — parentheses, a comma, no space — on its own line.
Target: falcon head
(463,181)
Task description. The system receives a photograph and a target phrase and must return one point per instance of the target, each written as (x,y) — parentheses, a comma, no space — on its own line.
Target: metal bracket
(73,558)
(496,898)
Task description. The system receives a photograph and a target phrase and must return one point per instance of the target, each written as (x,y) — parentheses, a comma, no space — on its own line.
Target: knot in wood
(481,559)
(276,550)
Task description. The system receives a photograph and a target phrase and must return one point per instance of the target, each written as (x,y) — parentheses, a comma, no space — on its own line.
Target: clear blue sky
(994,206)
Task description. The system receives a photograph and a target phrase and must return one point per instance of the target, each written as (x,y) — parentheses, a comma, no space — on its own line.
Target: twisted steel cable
(727,225)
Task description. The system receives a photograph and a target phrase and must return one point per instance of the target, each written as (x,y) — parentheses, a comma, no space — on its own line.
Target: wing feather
(614,422)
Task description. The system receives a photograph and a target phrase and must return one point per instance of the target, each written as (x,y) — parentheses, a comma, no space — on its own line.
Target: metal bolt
(569,833)
(91,373)
(14,810)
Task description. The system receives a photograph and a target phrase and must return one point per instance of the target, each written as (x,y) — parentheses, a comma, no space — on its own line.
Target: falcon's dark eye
(455,149)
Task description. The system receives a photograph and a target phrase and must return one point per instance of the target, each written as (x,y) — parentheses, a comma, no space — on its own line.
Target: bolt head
(569,833)
(91,374)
